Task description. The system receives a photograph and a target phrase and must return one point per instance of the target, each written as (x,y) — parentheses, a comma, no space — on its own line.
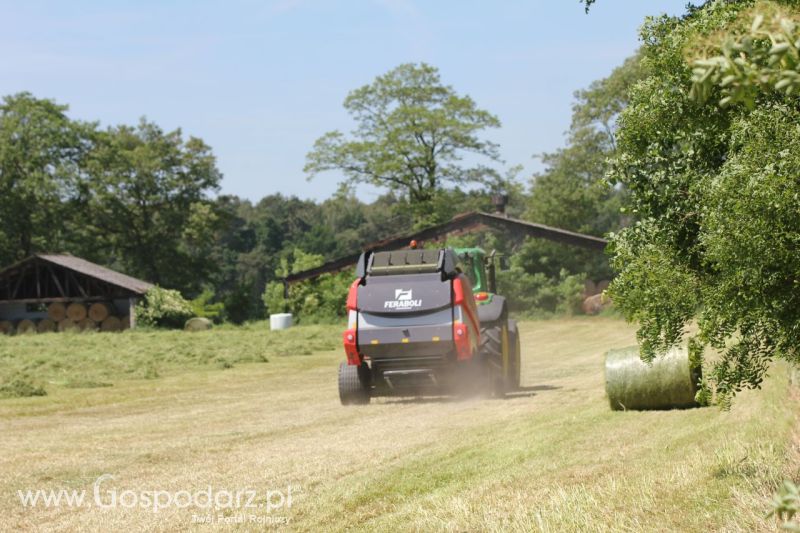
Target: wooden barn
(62,292)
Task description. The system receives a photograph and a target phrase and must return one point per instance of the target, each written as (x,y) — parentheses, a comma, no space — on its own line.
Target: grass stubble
(172,415)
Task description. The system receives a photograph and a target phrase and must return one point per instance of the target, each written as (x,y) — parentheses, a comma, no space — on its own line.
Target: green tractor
(500,342)
(427,322)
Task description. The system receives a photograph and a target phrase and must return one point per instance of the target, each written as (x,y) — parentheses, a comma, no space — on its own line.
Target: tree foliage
(147,202)
(41,151)
(763,58)
(715,194)
(411,136)
(572,192)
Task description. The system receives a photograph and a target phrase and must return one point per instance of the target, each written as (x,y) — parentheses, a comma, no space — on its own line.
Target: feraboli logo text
(400,294)
(403,299)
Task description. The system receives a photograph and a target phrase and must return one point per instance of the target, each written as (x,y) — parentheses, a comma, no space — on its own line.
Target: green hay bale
(669,382)
(198,324)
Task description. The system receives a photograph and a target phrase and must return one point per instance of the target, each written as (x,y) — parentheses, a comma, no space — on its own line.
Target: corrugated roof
(100,272)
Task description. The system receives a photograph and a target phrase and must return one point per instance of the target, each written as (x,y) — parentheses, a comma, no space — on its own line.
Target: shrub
(163,308)
(321,299)
(532,294)
(203,308)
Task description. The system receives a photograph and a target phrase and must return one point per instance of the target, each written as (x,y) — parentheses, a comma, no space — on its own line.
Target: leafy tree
(762,58)
(572,192)
(41,150)
(715,193)
(411,136)
(148,203)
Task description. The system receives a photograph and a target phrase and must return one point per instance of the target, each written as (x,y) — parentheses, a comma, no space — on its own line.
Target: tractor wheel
(353,384)
(495,353)
(515,353)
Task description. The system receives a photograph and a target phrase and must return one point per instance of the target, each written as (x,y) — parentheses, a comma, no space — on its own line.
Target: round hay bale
(57,312)
(67,325)
(76,312)
(99,311)
(669,382)
(198,324)
(591,305)
(594,304)
(126,322)
(111,324)
(87,324)
(26,327)
(6,327)
(589,288)
(46,326)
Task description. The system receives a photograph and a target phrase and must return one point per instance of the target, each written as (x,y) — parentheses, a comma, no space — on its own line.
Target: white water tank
(280,321)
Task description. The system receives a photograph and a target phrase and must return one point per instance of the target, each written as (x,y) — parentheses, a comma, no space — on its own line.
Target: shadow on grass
(522,392)
(527,392)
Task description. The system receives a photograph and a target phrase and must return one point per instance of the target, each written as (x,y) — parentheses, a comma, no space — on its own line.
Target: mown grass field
(248,409)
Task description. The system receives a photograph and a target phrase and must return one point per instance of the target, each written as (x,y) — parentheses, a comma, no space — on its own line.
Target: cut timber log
(26,327)
(111,324)
(67,325)
(6,327)
(46,326)
(87,324)
(99,311)
(76,312)
(56,312)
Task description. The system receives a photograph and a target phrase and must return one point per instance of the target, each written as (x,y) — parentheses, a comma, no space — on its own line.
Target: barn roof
(100,272)
(463,222)
(62,277)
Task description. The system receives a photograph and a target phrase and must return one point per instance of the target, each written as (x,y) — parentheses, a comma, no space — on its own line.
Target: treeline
(146,202)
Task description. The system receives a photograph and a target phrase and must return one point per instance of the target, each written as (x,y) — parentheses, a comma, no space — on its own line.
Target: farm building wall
(19,311)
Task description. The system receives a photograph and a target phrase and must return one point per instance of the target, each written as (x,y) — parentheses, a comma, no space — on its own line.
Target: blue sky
(260,81)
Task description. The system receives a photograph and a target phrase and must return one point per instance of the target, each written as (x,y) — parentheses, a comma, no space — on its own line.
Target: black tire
(353,384)
(492,355)
(515,354)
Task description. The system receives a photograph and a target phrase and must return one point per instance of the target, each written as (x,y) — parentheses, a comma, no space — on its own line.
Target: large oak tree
(412,135)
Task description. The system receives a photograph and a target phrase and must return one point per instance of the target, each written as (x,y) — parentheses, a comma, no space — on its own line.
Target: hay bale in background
(46,326)
(589,288)
(76,312)
(6,327)
(99,311)
(111,324)
(67,325)
(594,304)
(26,327)
(669,382)
(87,324)
(198,324)
(56,312)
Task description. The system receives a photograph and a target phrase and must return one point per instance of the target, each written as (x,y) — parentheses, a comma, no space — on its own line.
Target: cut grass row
(37,364)
(552,457)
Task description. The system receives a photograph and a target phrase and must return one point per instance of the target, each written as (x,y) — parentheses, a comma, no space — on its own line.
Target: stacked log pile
(76,316)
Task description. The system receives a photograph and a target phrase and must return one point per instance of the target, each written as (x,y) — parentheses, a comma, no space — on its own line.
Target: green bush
(536,294)
(322,299)
(203,308)
(163,308)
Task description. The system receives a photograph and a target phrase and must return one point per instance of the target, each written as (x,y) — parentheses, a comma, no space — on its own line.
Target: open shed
(28,288)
